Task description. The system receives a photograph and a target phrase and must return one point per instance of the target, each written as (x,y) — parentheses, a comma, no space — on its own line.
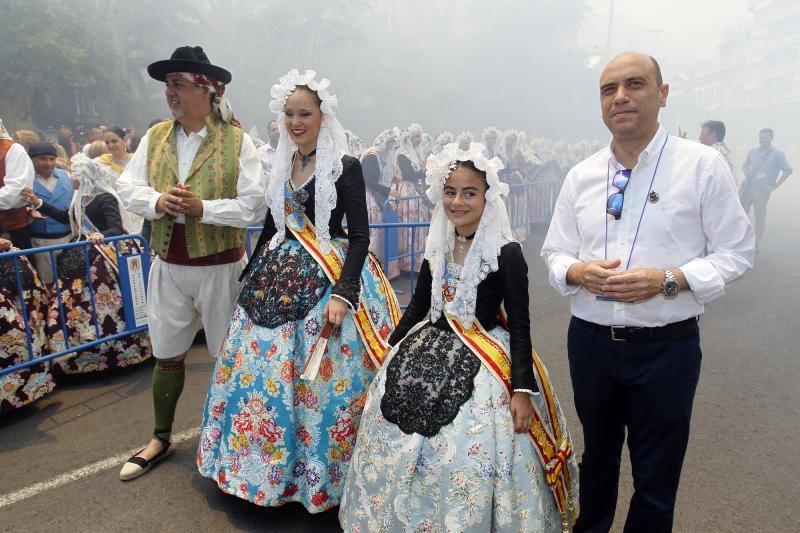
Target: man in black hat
(198,178)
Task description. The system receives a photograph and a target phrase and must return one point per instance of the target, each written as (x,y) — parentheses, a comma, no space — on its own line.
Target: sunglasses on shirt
(617,199)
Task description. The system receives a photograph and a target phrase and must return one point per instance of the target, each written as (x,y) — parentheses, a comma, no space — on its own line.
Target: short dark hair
(768,130)
(659,77)
(717,127)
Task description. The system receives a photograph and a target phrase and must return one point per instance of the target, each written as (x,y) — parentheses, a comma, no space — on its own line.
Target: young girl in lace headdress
(310,325)
(461,430)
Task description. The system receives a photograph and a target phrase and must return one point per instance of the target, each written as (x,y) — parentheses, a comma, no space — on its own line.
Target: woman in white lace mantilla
(314,309)
(445,442)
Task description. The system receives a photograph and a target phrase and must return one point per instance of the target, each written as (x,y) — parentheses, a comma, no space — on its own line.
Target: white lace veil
(331,146)
(385,148)
(495,146)
(92,181)
(415,154)
(494,231)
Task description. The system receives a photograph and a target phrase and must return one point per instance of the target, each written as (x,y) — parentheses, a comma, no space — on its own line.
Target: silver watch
(670,286)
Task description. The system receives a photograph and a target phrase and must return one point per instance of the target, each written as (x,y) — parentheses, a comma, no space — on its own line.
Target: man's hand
(5,245)
(634,285)
(592,275)
(169,204)
(34,214)
(190,204)
(30,197)
(521,411)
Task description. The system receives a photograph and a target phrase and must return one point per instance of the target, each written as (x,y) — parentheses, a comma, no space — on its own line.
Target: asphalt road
(740,472)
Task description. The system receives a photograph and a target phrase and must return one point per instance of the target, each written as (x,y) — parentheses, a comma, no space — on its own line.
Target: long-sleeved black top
(507,286)
(351,201)
(103,211)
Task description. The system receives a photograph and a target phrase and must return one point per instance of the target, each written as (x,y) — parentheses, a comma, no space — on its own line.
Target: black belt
(671,332)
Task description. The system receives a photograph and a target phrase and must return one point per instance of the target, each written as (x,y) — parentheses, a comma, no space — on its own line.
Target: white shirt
(267,154)
(697,224)
(247,209)
(19,175)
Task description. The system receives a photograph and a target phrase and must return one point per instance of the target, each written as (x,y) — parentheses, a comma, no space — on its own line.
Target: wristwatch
(670,286)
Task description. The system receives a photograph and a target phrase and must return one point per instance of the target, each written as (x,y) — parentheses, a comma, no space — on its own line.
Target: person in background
(113,163)
(267,151)
(95,134)
(26,138)
(16,173)
(52,190)
(765,169)
(96,149)
(712,133)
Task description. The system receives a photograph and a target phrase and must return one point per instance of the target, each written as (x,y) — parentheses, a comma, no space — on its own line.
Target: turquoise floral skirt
(268,436)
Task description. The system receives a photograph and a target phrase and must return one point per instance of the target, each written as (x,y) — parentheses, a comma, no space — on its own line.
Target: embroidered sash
(552,444)
(332,263)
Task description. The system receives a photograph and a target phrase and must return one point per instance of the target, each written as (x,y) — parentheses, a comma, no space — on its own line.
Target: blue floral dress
(269,436)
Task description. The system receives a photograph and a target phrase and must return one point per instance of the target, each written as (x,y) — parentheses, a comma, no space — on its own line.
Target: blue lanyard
(641,216)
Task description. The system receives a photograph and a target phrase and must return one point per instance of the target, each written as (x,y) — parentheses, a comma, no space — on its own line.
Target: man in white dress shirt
(16,174)
(645,232)
(198,178)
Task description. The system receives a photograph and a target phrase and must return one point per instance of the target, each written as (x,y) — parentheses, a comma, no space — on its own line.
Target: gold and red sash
(332,263)
(551,442)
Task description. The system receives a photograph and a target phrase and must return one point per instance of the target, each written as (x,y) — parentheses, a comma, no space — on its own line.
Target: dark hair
(717,127)
(768,130)
(133,143)
(470,165)
(659,77)
(118,131)
(317,99)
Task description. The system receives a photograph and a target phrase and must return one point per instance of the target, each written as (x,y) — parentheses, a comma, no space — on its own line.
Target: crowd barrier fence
(132,274)
(527,204)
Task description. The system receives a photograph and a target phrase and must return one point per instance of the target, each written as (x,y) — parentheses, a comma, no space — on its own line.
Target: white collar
(650,151)
(202,133)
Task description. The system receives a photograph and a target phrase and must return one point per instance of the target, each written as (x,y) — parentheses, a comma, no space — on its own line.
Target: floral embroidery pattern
(268,436)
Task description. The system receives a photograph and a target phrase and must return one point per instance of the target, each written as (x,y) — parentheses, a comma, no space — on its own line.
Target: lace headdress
(494,231)
(495,147)
(331,146)
(92,181)
(385,148)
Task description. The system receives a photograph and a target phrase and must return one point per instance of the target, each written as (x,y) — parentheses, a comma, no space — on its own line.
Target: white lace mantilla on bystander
(494,231)
(331,146)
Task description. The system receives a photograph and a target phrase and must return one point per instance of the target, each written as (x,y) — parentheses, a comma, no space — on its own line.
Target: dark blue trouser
(648,388)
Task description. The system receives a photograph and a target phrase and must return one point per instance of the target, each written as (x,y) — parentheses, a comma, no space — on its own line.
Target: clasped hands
(180,200)
(600,278)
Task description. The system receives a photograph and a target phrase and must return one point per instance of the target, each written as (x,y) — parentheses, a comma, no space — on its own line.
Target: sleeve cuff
(151,208)
(348,291)
(704,280)
(558,276)
(207,213)
(528,391)
(345,300)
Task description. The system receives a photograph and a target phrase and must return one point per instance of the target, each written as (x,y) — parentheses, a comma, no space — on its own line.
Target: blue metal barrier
(51,250)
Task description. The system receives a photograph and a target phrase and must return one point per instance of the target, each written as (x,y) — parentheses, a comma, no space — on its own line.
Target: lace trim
(428,380)
(348,291)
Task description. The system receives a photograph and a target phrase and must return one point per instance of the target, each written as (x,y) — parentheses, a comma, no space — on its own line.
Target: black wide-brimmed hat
(188,59)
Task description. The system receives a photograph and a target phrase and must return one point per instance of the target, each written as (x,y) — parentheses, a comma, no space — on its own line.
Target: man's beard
(177,111)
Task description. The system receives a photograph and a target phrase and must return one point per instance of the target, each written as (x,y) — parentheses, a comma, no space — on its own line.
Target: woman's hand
(30,197)
(96,237)
(522,411)
(335,311)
